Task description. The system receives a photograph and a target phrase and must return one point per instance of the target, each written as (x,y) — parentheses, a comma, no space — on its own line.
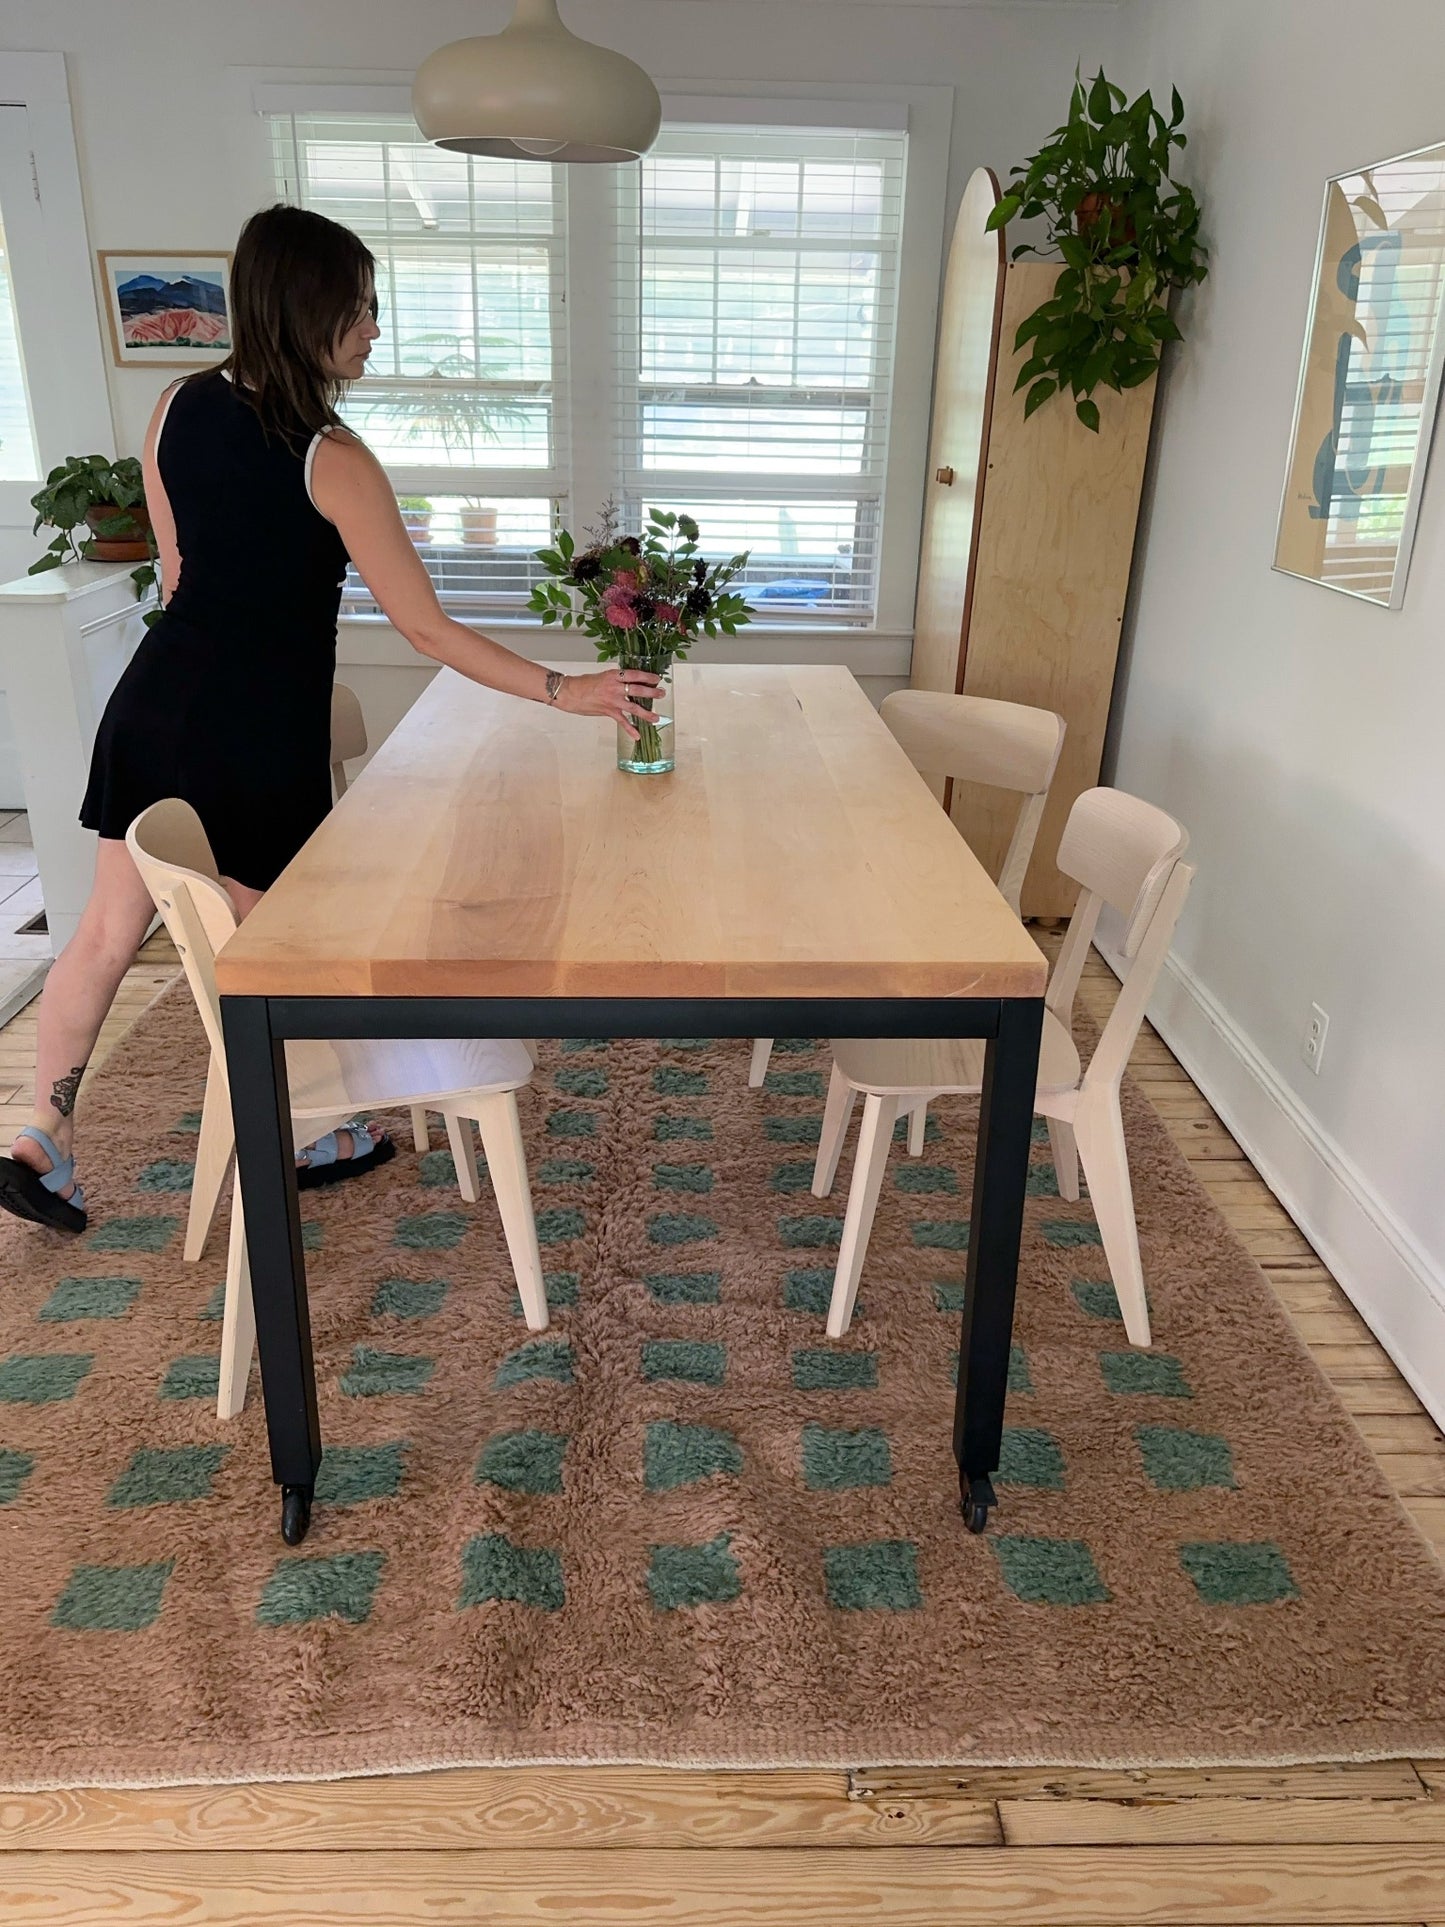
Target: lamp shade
(536,92)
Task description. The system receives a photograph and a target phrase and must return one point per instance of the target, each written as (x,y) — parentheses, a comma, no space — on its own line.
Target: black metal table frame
(257,1027)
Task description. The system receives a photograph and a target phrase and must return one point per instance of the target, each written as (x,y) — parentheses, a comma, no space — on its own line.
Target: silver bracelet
(555,680)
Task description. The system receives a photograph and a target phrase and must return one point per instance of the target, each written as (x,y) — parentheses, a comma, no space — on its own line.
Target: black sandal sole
(312,1177)
(24,1196)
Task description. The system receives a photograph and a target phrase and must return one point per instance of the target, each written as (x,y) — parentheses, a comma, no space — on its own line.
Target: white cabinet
(65,637)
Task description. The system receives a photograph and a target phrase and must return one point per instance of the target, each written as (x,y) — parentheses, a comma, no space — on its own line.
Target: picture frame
(167,307)
(1369,383)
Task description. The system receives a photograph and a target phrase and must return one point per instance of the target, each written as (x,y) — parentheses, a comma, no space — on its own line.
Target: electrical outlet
(1312,1046)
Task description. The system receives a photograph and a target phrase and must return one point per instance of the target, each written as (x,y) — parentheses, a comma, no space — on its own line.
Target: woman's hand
(609,692)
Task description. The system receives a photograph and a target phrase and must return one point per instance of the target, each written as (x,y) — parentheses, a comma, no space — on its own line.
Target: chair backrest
(1008,746)
(348,733)
(1128,854)
(172,854)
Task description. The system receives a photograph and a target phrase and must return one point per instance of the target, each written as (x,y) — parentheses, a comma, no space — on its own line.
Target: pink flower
(667,612)
(617,608)
(625,579)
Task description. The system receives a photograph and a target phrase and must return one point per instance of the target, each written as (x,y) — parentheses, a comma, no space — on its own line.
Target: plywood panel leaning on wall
(1040,592)
(963,389)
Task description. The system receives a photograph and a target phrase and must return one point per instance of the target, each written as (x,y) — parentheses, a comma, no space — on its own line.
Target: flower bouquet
(644,600)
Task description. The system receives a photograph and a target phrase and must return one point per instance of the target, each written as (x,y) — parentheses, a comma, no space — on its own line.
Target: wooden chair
(466,1080)
(1005,745)
(1124,853)
(348,734)
(348,741)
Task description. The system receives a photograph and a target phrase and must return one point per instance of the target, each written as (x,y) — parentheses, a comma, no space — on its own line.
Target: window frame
(586,441)
(57,310)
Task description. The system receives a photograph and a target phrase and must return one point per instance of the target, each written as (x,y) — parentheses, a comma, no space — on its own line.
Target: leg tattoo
(65,1089)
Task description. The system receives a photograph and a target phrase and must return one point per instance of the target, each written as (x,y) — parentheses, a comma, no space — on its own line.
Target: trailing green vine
(85,483)
(1128,235)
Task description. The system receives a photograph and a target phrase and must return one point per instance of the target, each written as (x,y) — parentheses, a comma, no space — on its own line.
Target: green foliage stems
(665,564)
(668,549)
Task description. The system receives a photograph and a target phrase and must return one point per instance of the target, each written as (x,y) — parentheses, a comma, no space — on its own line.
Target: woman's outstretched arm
(350,488)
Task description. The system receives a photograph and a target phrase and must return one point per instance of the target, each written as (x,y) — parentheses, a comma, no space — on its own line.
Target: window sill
(371,640)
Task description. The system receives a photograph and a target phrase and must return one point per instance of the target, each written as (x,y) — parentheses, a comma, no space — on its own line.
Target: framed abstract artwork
(1369,380)
(167,309)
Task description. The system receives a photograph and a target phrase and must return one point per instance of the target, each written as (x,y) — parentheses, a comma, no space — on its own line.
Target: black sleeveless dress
(227,701)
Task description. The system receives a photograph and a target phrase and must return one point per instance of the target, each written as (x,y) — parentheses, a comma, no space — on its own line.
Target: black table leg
(1005,1122)
(265,1153)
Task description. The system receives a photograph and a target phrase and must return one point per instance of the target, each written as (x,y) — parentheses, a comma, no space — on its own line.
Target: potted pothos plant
(106,498)
(1128,236)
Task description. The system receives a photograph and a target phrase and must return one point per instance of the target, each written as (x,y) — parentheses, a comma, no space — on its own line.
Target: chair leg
(420,1128)
(464,1154)
(758,1068)
(1065,1152)
(238,1328)
(501,1130)
(213,1157)
(1099,1130)
(836,1113)
(918,1130)
(875,1134)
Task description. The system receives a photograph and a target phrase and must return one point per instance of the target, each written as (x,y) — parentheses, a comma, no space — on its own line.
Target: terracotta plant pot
(115,548)
(1122,232)
(418,525)
(479,526)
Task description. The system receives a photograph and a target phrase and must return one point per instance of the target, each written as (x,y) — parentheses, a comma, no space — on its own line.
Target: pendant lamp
(536,92)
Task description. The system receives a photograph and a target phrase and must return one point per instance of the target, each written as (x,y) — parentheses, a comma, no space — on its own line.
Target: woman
(257,496)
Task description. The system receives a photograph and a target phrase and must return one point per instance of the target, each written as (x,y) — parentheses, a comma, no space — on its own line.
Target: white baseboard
(1393,1283)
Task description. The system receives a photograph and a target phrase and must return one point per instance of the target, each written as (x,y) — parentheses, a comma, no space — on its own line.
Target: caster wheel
(976,1500)
(295,1513)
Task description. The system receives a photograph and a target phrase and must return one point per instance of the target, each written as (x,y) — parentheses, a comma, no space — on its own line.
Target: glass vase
(652,752)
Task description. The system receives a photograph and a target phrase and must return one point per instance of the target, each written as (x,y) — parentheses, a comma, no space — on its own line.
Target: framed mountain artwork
(167,309)
(1369,380)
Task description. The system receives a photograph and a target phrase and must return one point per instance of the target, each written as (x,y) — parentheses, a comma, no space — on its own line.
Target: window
(460,401)
(734,303)
(18,459)
(758,276)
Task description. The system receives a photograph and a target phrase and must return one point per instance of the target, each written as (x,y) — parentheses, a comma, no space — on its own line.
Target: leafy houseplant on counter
(108,499)
(644,600)
(416,515)
(1128,235)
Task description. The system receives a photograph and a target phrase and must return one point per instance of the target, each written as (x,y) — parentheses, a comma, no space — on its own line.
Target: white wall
(1296,732)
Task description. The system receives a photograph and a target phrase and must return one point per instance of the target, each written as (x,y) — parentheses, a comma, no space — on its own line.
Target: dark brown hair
(298,282)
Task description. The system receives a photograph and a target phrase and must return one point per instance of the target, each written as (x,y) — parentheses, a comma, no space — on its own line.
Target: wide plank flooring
(1344,1846)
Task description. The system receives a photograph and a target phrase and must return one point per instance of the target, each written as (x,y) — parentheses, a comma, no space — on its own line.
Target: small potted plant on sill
(1128,236)
(479,524)
(644,600)
(108,499)
(416,514)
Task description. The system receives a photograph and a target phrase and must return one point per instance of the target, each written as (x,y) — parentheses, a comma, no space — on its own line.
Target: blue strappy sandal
(33,1195)
(325,1164)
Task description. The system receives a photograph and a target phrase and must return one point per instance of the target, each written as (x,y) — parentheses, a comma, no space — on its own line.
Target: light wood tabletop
(492,848)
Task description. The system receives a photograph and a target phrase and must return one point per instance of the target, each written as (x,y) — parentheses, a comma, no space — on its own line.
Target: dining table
(493,873)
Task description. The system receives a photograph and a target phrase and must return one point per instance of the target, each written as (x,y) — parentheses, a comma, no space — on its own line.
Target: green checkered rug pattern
(681,1525)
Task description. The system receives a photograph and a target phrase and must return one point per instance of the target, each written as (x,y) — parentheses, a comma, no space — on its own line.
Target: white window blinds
(733,345)
(460,400)
(757,293)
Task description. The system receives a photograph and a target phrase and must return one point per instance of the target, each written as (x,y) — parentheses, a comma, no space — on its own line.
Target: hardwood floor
(1344,1846)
